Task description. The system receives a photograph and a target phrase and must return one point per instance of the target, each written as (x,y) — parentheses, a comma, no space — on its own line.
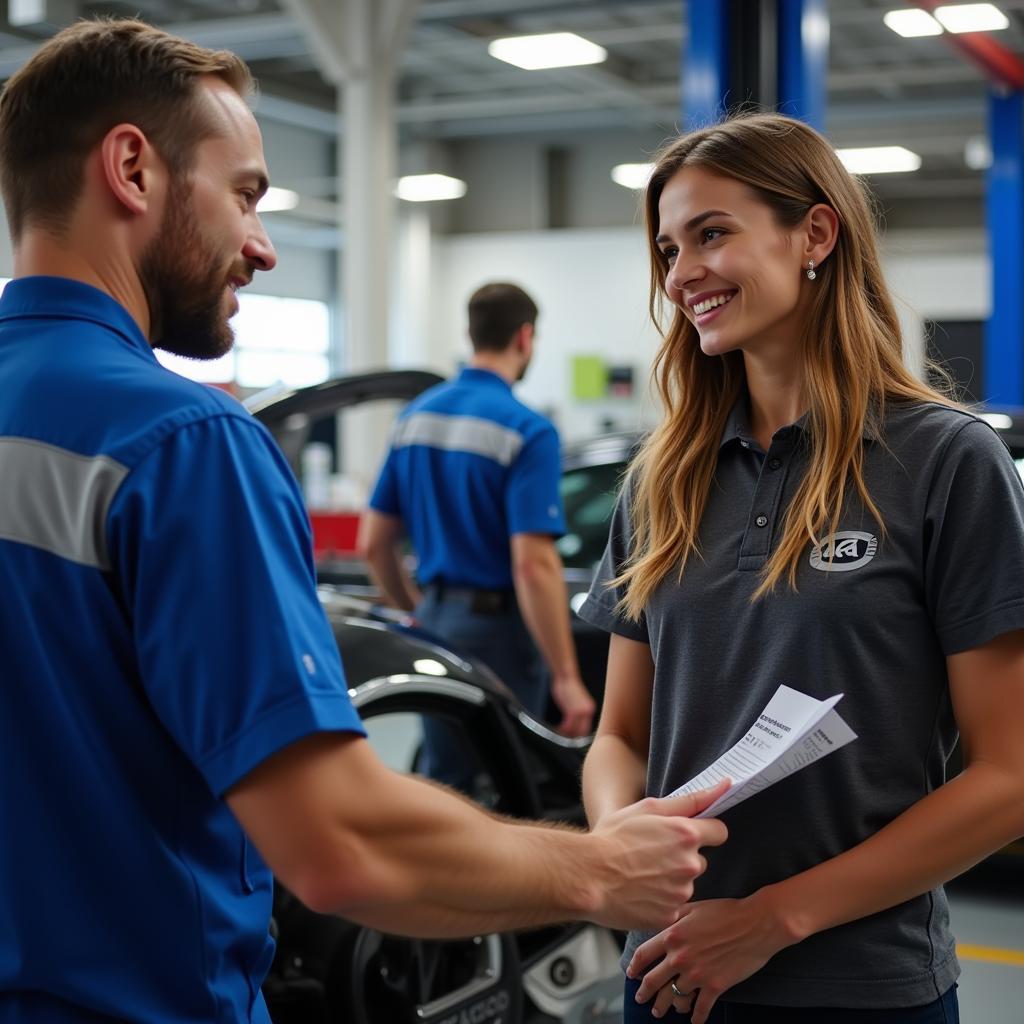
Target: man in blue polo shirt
(472,475)
(174,720)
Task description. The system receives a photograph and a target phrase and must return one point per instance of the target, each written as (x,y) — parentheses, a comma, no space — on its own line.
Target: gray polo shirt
(876,626)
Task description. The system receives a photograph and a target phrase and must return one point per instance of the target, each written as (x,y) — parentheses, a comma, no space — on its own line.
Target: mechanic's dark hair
(496,312)
(88,78)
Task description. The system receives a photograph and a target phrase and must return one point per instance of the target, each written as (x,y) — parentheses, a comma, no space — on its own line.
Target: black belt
(478,599)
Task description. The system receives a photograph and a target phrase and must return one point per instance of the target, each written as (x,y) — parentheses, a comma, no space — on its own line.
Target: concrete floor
(987,907)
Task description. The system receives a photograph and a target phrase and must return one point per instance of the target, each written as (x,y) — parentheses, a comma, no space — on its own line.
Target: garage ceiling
(881,88)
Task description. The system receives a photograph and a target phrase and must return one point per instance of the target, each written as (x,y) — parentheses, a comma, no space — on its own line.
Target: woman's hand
(667,997)
(714,945)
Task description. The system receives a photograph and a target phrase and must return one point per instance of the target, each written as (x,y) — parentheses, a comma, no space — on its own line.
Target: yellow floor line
(991,954)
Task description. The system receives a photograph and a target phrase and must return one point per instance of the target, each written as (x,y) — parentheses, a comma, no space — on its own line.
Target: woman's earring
(811,275)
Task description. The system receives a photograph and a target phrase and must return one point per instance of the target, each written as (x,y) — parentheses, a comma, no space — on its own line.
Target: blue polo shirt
(469,466)
(161,636)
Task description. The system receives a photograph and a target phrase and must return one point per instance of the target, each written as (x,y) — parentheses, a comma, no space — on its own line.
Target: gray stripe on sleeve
(56,500)
(459,434)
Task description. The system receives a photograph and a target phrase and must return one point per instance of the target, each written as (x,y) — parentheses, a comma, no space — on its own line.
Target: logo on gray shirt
(843,551)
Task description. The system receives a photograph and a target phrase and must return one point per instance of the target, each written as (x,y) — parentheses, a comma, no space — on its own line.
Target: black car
(591,473)
(327,968)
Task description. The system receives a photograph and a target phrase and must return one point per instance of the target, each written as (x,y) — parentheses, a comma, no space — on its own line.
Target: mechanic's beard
(184,284)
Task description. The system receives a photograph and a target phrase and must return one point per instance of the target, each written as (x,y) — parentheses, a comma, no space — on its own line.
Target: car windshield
(588,493)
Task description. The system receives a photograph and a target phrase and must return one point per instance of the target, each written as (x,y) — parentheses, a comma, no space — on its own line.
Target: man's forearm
(387,572)
(349,836)
(469,875)
(476,907)
(543,601)
(437,921)
(455,863)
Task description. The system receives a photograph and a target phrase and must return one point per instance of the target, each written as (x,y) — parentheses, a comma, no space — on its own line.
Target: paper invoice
(793,731)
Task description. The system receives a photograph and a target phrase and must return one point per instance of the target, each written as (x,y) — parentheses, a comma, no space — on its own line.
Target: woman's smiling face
(733,271)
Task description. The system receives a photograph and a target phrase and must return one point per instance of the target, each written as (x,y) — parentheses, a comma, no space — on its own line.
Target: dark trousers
(501,641)
(942,1011)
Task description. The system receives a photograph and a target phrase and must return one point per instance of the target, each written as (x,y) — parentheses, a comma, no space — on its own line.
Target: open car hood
(290,414)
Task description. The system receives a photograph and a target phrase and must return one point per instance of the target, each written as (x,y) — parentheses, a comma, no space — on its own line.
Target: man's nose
(259,250)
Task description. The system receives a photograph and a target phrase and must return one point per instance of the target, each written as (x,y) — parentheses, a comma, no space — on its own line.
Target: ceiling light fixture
(999,420)
(275,199)
(879,160)
(634,176)
(911,23)
(551,50)
(429,188)
(972,18)
(978,153)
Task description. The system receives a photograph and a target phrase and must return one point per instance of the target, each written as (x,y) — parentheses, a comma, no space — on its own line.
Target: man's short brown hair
(496,312)
(80,84)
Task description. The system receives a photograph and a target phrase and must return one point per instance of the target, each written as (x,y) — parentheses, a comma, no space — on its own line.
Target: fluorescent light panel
(428,188)
(551,50)
(879,160)
(633,176)
(911,23)
(999,420)
(275,199)
(971,18)
(978,153)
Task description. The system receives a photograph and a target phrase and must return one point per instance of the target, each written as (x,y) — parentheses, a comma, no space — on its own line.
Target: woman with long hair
(808,513)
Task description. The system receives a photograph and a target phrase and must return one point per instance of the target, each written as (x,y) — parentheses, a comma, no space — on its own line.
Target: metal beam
(395,22)
(705,71)
(321,25)
(511,105)
(561,125)
(303,115)
(803,59)
(253,37)
(443,10)
(1000,64)
(1004,333)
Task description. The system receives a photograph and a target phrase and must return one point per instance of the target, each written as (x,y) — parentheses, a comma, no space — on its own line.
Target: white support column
(367,171)
(357,44)
(411,304)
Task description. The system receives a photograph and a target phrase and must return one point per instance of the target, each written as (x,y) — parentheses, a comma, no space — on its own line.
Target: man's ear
(524,339)
(131,167)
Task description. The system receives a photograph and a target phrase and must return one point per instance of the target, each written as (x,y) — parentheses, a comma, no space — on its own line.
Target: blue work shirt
(469,466)
(161,636)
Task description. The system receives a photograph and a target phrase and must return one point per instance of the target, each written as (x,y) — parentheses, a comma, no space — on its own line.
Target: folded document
(793,731)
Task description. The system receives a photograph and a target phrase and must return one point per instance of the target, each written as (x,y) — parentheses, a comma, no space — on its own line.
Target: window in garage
(277,341)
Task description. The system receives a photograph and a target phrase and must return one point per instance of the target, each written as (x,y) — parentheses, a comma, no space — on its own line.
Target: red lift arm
(1000,64)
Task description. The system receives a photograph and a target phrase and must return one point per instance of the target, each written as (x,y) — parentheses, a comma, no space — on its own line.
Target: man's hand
(573,699)
(652,858)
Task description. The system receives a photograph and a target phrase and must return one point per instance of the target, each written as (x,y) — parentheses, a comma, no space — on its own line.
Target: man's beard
(184,284)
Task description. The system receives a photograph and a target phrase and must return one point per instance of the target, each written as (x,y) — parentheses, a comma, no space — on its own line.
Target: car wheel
(362,975)
(395,979)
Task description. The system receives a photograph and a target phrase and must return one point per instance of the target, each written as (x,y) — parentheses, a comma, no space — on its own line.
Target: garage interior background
(536,150)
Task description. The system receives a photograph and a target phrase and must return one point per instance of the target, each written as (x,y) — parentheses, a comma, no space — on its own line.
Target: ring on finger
(675,990)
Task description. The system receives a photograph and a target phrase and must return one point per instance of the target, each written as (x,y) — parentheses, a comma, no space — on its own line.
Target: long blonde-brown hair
(851,352)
